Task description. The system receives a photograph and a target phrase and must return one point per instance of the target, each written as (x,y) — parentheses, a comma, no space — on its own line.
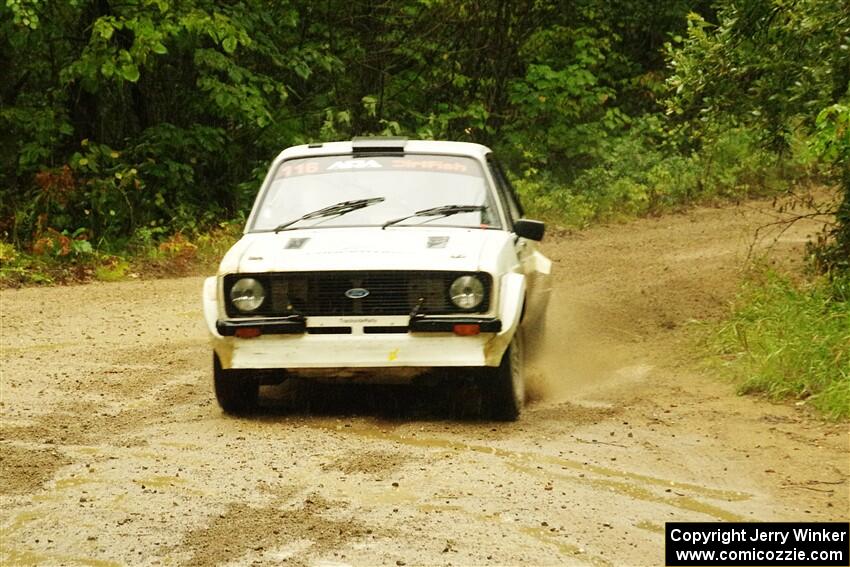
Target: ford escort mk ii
(379,259)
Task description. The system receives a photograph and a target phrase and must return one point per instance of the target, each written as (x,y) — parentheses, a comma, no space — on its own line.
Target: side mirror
(530,229)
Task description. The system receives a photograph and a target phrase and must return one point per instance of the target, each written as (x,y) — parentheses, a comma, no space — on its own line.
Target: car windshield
(396,186)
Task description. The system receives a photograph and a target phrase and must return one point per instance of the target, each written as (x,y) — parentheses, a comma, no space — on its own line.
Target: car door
(536,267)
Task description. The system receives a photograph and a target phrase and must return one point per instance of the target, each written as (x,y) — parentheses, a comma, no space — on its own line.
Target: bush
(151,251)
(642,173)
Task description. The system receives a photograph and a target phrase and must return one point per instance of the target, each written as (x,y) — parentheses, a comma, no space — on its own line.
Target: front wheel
(236,393)
(504,386)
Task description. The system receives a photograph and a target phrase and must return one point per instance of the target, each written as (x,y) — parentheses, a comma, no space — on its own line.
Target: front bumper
(292,351)
(294,343)
(298,325)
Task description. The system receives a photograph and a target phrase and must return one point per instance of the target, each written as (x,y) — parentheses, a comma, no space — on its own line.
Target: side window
(506,190)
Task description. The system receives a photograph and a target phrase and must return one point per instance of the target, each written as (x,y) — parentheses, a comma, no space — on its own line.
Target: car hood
(396,248)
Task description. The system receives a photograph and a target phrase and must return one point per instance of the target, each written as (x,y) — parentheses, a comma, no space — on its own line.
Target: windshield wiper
(442,211)
(334,210)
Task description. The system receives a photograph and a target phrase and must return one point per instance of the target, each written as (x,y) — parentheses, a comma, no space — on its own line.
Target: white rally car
(379,259)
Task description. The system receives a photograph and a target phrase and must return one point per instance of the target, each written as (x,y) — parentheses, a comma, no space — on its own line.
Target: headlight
(247,295)
(467,292)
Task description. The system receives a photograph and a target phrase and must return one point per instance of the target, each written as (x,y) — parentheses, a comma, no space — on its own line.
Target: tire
(236,393)
(503,387)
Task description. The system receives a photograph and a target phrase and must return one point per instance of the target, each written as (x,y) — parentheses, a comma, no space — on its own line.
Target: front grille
(389,293)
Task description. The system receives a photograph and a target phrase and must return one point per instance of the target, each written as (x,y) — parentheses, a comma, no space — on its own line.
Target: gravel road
(115,453)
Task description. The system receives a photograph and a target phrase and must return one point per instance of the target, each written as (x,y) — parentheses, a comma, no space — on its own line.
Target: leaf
(104,29)
(130,72)
(229,44)
(302,69)
(107,69)
(81,246)
(370,103)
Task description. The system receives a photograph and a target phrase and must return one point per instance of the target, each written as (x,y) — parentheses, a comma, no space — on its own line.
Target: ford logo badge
(356,293)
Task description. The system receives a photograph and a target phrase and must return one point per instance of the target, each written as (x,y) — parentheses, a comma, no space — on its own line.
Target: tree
(780,68)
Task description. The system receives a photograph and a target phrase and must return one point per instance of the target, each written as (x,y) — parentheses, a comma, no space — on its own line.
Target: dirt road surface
(114,452)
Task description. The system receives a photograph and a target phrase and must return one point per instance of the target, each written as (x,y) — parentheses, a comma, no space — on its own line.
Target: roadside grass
(637,177)
(790,341)
(179,254)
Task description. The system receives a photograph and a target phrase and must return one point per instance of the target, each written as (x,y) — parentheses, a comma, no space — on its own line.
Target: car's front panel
(353,276)
(361,292)
(412,323)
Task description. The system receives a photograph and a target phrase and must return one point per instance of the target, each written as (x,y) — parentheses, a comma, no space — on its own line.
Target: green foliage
(779,68)
(561,109)
(118,117)
(764,62)
(160,116)
(151,251)
(833,134)
(113,269)
(638,174)
(788,341)
(832,143)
